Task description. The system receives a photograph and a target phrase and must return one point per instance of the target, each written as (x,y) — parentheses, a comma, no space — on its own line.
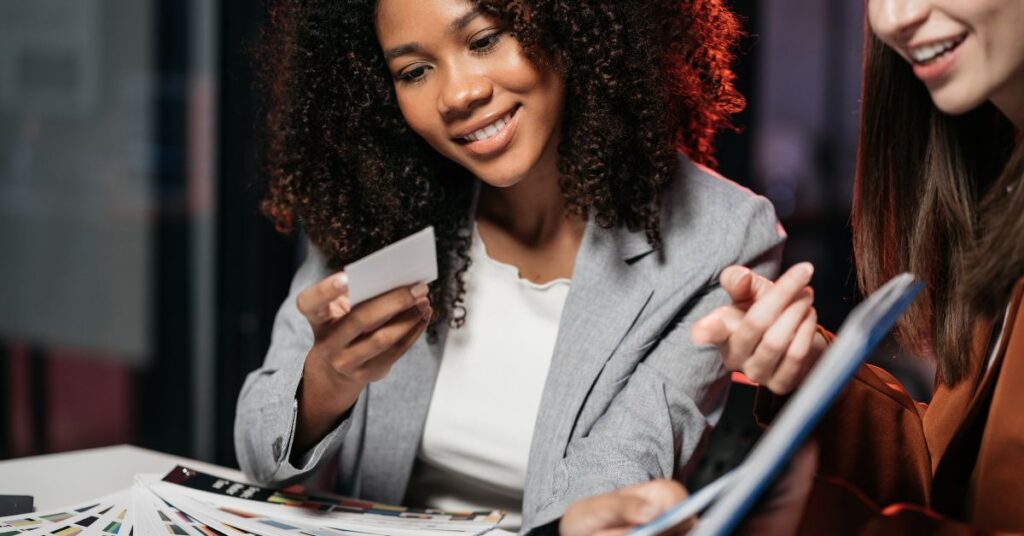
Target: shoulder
(704,212)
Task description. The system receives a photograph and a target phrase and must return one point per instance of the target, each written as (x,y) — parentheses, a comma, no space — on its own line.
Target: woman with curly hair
(557,147)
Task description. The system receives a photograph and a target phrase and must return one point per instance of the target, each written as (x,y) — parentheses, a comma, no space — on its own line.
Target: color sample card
(189,503)
(409,261)
(12,505)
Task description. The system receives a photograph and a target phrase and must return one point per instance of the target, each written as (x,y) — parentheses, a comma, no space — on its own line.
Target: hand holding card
(411,260)
(363,321)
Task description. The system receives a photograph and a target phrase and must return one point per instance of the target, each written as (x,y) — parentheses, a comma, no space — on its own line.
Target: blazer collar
(630,245)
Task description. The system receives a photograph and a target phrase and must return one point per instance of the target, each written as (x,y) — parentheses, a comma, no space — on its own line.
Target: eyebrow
(456,26)
(460,23)
(402,50)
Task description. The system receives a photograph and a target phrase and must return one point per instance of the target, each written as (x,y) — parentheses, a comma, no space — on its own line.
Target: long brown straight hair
(938,196)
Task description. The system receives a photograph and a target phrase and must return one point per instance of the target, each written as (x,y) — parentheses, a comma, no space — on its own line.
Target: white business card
(409,261)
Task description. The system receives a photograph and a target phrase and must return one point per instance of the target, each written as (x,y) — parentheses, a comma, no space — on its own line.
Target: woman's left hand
(617,512)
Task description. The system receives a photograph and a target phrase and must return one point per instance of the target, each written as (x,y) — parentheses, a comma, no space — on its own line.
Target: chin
(501,173)
(500,180)
(954,101)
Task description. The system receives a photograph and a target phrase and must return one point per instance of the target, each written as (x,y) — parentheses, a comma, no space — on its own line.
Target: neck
(1010,101)
(532,210)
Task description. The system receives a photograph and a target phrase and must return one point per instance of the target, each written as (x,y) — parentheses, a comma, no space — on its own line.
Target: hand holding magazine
(728,499)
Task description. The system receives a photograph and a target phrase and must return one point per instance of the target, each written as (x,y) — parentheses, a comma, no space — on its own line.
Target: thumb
(717,326)
(637,511)
(711,329)
(738,282)
(611,512)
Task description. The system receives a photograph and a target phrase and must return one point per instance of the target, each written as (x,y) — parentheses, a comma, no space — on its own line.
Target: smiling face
(965,51)
(465,86)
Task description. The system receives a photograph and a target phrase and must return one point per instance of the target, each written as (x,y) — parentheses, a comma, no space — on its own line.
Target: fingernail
(808,268)
(648,511)
(420,290)
(341,281)
(423,304)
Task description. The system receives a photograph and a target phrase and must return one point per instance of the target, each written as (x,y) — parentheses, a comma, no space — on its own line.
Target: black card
(12,505)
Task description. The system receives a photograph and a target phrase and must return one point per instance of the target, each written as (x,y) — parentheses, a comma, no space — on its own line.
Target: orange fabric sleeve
(836,508)
(872,437)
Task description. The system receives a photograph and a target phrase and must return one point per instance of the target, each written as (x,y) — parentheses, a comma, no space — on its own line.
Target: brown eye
(486,43)
(413,75)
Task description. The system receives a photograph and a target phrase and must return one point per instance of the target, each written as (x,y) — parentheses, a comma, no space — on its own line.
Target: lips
(933,62)
(490,130)
(492,138)
(927,53)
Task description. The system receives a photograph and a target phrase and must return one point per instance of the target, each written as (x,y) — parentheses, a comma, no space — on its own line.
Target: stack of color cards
(189,502)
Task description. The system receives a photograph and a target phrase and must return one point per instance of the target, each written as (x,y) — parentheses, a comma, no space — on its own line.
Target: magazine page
(729,498)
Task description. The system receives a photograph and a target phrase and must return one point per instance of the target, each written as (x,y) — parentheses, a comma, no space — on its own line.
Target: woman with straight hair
(939,192)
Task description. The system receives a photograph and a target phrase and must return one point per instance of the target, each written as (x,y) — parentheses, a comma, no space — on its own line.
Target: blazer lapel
(396,412)
(607,294)
(996,487)
(951,485)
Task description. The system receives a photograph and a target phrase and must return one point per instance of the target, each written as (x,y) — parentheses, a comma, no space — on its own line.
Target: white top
(999,339)
(476,440)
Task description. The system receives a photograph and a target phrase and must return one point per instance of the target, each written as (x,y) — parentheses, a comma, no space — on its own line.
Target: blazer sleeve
(266,414)
(674,396)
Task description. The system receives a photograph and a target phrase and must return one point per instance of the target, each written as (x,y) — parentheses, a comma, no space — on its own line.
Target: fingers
(795,363)
(358,359)
(743,285)
(619,511)
(370,315)
(324,301)
(768,307)
(717,326)
(376,368)
(776,340)
(737,282)
(660,493)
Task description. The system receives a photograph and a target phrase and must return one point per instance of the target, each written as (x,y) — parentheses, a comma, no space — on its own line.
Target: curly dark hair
(644,79)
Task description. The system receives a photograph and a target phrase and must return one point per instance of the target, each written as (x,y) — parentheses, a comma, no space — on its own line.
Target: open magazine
(189,502)
(724,502)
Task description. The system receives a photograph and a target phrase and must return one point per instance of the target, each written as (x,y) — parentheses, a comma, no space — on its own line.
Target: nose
(895,19)
(463,92)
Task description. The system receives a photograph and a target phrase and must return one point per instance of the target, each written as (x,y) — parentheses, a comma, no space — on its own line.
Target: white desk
(67,478)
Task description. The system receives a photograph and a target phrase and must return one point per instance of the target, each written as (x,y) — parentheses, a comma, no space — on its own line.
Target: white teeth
(490,130)
(926,53)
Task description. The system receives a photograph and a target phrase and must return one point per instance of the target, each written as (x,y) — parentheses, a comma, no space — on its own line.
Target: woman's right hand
(352,347)
(769,332)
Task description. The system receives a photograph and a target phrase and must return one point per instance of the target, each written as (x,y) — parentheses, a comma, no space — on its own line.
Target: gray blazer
(628,396)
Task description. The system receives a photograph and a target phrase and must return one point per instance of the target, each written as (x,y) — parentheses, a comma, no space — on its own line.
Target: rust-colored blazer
(888,465)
